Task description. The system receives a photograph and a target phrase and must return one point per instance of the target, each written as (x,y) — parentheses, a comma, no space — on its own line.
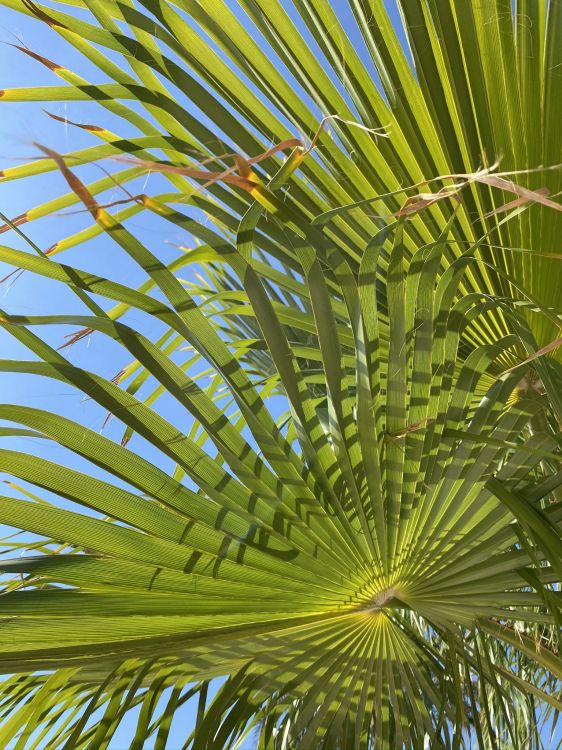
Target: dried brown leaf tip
(423,200)
(526,195)
(228,176)
(241,174)
(41,15)
(541,352)
(74,337)
(514,204)
(15,222)
(66,121)
(17,272)
(106,420)
(76,185)
(414,427)
(40,58)
(118,377)
(485,176)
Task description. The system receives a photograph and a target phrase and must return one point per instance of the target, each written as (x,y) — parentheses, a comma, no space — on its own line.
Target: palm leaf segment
(353,574)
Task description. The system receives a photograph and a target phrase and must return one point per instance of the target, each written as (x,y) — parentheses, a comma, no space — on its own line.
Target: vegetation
(377,562)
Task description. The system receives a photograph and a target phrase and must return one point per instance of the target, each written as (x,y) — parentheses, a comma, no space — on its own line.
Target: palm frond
(379,565)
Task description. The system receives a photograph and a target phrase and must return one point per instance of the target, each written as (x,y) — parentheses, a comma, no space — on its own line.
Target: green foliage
(380,567)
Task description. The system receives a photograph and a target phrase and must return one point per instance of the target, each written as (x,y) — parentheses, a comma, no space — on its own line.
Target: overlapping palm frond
(260,76)
(331,574)
(380,566)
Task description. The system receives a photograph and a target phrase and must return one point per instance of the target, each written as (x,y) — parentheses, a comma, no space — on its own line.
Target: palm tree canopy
(380,566)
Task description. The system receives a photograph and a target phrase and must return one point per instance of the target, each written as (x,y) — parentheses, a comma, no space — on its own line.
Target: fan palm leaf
(380,567)
(340,570)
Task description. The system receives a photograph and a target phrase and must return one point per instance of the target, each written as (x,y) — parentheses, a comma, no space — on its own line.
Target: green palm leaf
(380,567)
